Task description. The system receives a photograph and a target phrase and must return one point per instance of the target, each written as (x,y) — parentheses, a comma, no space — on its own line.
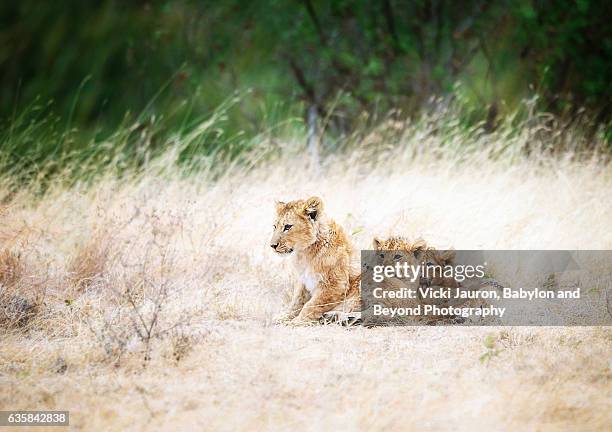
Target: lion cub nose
(273,246)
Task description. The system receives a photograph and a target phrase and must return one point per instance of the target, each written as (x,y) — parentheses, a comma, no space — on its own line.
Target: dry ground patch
(146,303)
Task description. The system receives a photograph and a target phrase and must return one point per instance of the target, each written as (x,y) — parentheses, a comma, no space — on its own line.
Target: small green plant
(357,230)
(490,343)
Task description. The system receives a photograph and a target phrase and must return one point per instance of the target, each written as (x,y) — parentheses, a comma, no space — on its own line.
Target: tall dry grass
(143,299)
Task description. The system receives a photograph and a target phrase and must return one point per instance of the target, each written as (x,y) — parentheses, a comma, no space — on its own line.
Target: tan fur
(417,252)
(327,277)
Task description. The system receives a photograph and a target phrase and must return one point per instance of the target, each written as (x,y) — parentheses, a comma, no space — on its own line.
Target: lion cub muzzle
(281,249)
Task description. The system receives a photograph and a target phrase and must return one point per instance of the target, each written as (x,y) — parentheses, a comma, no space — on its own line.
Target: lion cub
(419,252)
(415,253)
(328,278)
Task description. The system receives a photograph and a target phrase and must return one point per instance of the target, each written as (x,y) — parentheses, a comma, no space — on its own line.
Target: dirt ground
(86,270)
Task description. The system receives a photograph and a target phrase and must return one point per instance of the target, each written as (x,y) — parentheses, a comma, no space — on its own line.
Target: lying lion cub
(415,253)
(328,278)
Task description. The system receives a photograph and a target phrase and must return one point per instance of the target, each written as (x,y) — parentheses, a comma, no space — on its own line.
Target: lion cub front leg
(324,299)
(299,297)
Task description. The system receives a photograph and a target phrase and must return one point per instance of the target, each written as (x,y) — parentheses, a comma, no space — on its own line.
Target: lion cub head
(297,225)
(415,253)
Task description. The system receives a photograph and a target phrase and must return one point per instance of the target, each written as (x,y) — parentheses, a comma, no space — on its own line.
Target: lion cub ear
(280,206)
(313,207)
(376,243)
(448,256)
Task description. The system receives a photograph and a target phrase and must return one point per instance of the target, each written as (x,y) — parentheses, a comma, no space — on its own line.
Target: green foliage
(492,350)
(108,63)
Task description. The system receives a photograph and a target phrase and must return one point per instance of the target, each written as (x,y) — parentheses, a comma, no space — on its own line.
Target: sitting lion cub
(323,257)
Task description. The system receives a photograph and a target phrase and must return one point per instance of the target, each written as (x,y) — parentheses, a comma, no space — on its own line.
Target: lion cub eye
(287,227)
(397,257)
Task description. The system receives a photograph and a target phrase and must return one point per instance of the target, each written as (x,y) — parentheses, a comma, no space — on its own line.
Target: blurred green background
(84,68)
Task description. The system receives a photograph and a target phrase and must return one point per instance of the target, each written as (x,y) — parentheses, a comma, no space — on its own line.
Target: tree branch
(390,21)
(315,20)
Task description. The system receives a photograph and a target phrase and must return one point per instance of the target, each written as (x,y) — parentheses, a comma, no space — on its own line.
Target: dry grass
(158,292)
